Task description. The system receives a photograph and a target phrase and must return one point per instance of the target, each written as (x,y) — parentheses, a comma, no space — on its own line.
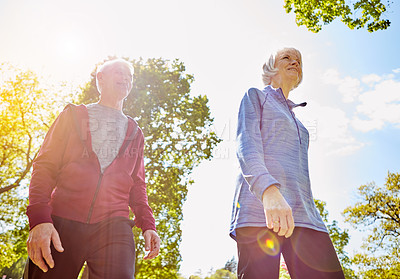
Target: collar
(278,94)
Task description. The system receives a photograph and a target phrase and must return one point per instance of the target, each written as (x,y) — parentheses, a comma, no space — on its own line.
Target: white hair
(109,63)
(269,69)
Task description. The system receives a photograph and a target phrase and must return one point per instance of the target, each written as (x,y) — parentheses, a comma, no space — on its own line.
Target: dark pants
(308,254)
(107,247)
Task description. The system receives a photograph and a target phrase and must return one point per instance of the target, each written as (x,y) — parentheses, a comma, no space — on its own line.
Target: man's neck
(115,104)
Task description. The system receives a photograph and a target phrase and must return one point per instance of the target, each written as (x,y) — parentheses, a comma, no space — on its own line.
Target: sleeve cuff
(263,184)
(38,215)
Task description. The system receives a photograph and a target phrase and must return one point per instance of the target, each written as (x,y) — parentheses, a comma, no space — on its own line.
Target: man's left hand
(151,243)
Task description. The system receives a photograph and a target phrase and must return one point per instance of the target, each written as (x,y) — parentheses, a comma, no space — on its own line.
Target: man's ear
(99,81)
(99,76)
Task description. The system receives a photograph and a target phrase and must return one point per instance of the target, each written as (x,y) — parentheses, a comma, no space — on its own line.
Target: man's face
(116,81)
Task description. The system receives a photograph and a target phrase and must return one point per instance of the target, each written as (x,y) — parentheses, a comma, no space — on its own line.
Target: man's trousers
(107,247)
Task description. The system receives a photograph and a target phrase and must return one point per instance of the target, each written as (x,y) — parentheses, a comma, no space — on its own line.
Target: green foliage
(381,267)
(222,274)
(14,271)
(363,13)
(25,114)
(340,238)
(378,212)
(178,137)
(283,274)
(21,123)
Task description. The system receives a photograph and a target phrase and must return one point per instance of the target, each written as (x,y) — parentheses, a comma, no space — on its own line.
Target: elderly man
(88,172)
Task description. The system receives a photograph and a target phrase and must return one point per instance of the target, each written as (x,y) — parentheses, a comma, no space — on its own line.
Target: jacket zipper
(131,136)
(291,113)
(94,198)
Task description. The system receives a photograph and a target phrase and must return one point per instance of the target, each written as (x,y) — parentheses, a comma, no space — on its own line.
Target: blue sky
(351,83)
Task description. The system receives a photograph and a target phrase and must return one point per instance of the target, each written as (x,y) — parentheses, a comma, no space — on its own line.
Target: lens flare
(269,243)
(305,248)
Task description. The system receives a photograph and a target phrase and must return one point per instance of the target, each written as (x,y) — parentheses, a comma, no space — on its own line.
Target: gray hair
(109,63)
(269,69)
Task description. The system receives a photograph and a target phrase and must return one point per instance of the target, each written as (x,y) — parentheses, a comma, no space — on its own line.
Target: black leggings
(107,247)
(308,254)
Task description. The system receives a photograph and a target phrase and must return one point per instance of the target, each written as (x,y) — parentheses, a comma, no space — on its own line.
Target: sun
(69,46)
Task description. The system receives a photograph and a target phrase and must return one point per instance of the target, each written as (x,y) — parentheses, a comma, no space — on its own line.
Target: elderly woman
(274,211)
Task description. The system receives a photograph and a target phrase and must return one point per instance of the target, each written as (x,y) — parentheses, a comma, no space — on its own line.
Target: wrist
(270,191)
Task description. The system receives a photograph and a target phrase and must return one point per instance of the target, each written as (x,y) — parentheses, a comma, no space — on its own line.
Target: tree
(363,13)
(340,238)
(26,109)
(378,213)
(178,136)
(231,265)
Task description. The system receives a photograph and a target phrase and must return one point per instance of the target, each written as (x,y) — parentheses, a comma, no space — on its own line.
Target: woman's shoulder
(254,90)
(258,95)
(254,93)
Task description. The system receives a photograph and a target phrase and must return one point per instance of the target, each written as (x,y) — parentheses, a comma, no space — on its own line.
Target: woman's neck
(284,87)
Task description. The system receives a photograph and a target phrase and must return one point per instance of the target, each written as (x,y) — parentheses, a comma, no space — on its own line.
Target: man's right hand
(39,245)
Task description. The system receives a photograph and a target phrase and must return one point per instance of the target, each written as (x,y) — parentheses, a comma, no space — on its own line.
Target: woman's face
(288,63)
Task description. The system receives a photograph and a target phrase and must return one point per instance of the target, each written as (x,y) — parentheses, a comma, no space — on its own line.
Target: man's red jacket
(67,180)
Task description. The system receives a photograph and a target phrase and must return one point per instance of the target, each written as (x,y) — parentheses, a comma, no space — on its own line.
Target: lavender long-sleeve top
(272,149)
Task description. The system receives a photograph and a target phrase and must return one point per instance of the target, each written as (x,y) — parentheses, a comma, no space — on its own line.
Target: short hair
(269,69)
(109,63)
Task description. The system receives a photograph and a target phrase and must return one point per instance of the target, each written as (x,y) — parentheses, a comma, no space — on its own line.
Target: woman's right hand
(277,211)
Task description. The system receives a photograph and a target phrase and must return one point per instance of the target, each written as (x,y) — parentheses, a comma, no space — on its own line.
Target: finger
(283,226)
(29,249)
(38,260)
(55,238)
(156,242)
(152,254)
(270,223)
(290,222)
(46,253)
(155,248)
(147,241)
(276,225)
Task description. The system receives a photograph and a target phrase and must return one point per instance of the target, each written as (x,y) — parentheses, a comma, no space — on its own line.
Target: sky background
(351,83)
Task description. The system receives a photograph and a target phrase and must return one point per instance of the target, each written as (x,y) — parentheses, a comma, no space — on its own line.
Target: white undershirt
(108,130)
